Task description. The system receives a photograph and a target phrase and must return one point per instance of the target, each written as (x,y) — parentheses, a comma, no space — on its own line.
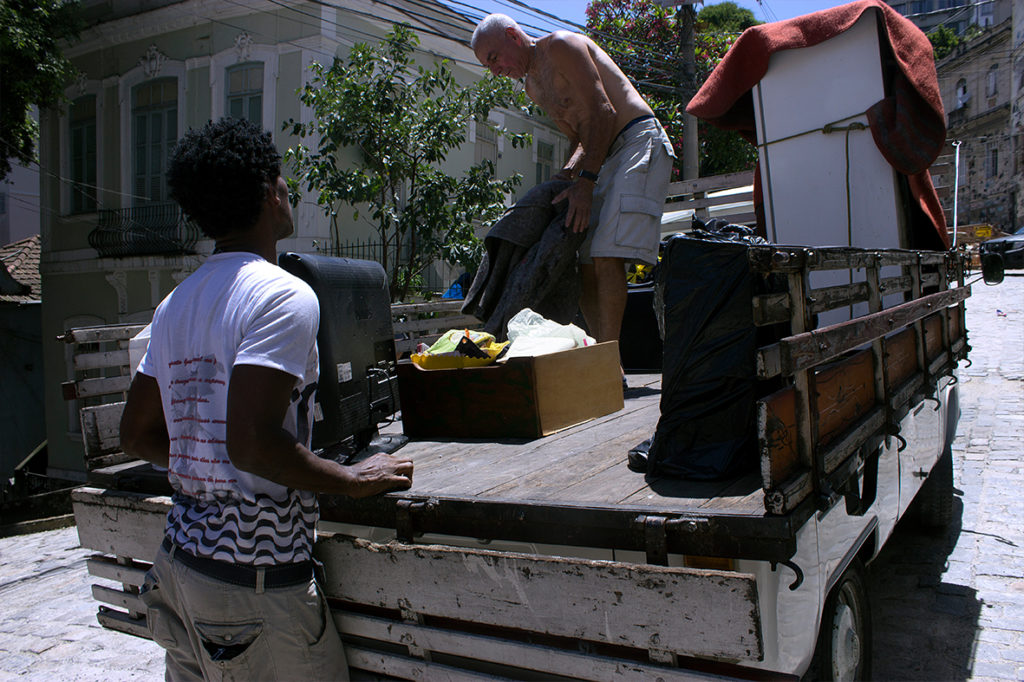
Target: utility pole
(685,20)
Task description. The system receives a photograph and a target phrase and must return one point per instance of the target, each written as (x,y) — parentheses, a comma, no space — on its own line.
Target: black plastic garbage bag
(704,286)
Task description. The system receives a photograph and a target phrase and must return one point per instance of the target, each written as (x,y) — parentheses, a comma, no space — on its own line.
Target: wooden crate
(525,397)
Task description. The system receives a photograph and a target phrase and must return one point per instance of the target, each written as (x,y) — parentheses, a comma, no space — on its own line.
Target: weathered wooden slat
(710,202)
(830,298)
(894,285)
(113,459)
(797,259)
(112,358)
(843,447)
(107,567)
(86,388)
(120,523)
(120,621)
(744,218)
(688,611)
(407,668)
(789,493)
(124,600)
(442,323)
(802,351)
(774,308)
(933,340)
(112,332)
(101,429)
(770,309)
(845,392)
(710,183)
(768,361)
(900,357)
(544,659)
(846,257)
(439,306)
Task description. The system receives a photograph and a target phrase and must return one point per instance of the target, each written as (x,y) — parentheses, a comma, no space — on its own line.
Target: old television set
(358,389)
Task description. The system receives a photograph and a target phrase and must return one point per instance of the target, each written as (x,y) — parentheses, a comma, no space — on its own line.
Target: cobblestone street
(945,607)
(951,606)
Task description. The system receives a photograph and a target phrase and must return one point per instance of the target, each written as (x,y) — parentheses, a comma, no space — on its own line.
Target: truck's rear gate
(511,612)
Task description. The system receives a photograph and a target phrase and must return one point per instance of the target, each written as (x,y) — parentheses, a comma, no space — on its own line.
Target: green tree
(944,40)
(400,121)
(643,39)
(725,17)
(33,70)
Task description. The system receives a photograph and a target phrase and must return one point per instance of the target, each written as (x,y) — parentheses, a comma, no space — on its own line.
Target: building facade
(21,347)
(1017,107)
(113,245)
(977,85)
(957,15)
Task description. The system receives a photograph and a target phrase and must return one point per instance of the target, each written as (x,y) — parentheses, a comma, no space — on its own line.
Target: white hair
(492,24)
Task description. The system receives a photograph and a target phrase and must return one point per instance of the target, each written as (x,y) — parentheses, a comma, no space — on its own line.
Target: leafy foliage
(33,70)
(726,17)
(383,126)
(644,40)
(944,40)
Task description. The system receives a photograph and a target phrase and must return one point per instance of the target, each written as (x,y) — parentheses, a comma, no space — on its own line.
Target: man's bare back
(591,101)
(566,90)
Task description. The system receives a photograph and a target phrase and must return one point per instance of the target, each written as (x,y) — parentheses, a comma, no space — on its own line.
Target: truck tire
(843,651)
(933,507)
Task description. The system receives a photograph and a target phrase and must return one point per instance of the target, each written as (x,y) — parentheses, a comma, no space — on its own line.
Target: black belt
(631,124)
(243,575)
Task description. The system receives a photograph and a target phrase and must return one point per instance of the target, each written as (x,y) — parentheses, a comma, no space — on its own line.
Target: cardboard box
(521,398)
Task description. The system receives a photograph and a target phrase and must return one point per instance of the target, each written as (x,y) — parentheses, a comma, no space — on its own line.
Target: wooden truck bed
(638,615)
(570,488)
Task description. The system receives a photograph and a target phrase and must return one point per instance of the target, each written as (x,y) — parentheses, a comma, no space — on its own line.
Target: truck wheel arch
(843,646)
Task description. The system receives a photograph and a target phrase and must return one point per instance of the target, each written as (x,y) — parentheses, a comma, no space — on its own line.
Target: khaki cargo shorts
(629,196)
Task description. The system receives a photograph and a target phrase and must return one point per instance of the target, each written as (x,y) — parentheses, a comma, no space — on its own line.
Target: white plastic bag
(533,334)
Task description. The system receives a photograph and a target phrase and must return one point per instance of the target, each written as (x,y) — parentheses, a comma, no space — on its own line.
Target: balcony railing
(156,229)
(436,278)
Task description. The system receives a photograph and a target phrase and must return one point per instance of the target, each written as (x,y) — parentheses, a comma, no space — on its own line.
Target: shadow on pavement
(924,612)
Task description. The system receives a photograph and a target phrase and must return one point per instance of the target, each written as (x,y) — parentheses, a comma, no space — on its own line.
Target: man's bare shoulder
(563,44)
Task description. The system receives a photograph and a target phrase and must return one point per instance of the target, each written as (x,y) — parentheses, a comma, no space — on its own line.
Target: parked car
(1010,249)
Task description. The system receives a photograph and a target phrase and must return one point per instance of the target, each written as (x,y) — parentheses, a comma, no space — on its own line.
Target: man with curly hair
(619,155)
(223,400)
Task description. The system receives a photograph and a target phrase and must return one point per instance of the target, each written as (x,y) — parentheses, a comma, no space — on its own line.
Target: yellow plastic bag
(459,348)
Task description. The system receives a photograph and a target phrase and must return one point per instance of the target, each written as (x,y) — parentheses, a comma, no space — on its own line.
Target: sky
(575,10)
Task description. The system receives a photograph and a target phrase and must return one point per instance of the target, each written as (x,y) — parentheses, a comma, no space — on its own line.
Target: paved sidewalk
(945,607)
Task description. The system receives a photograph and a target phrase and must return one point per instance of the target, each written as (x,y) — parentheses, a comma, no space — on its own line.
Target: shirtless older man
(620,157)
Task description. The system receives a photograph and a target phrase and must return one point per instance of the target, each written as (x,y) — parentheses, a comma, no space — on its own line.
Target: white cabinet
(831,189)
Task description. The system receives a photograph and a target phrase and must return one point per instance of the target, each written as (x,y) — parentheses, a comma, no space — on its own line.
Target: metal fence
(437,277)
(155,229)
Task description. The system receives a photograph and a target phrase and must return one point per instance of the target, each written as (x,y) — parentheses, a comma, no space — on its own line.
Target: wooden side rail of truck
(548,557)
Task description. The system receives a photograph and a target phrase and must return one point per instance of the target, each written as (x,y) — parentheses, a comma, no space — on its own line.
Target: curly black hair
(220,173)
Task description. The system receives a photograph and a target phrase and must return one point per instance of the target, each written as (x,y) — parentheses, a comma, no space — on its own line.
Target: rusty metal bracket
(405,510)
(655,539)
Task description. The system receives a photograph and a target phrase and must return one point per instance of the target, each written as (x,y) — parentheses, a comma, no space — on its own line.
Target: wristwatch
(588,175)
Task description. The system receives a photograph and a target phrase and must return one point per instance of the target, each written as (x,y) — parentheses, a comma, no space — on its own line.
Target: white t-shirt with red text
(236,309)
